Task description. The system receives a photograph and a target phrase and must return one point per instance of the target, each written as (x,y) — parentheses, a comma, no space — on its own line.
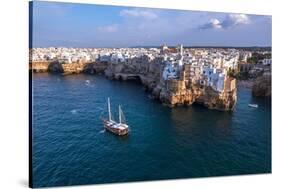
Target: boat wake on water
(87,82)
(253,105)
(102,131)
(73,111)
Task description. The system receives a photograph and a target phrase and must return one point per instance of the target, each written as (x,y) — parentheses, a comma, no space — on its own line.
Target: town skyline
(105,26)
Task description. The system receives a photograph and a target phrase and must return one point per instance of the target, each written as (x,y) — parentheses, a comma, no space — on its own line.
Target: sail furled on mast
(121,116)
(120,113)
(109,110)
(119,110)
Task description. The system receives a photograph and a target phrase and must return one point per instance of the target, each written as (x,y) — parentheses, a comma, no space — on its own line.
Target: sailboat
(119,128)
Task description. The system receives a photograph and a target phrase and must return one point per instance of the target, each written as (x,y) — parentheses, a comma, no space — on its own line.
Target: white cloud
(229,21)
(215,23)
(212,24)
(235,19)
(108,29)
(138,13)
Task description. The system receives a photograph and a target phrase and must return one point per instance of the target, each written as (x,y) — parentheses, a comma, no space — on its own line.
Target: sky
(86,25)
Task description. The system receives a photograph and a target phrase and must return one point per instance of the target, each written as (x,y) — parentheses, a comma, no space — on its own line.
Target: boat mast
(120,114)
(109,111)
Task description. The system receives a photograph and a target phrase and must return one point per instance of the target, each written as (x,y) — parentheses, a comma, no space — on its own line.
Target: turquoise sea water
(70,146)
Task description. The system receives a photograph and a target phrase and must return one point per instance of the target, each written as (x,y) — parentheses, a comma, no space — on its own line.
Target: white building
(117,58)
(104,57)
(214,78)
(266,62)
(170,71)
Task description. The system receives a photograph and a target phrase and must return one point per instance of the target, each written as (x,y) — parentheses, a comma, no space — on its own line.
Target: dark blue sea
(70,146)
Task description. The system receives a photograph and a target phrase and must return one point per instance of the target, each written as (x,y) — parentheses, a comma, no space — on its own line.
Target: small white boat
(87,82)
(253,105)
(119,128)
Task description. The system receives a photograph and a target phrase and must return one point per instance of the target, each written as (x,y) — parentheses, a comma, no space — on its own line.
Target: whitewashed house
(214,78)
(170,71)
(266,62)
(117,58)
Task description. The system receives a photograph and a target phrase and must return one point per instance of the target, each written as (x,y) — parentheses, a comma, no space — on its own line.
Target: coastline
(170,92)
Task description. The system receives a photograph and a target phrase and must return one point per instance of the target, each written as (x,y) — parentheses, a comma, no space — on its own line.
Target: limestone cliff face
(175,92)
(39,67)
(195,94)
(148,74)
(219,101)
(262,86)
(71,68)
(169,92)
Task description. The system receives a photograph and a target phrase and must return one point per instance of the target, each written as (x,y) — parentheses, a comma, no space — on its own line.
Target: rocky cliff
(71,68)
(39,67)
(174,92)
(262,86)
(169,92)
(206,96)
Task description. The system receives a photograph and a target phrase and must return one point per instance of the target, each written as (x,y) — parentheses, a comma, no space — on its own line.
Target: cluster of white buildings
(63,55)
(206,66)
(73,55)
(266,61)
(244,55)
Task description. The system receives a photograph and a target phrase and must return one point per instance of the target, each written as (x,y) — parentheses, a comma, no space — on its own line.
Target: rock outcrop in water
(262,86)
(176,93)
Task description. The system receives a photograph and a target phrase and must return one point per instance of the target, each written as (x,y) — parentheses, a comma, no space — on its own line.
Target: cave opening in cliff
(135,79)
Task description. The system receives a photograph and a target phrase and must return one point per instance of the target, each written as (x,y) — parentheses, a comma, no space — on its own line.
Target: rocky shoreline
(260,86)
(65,69)
(172,92)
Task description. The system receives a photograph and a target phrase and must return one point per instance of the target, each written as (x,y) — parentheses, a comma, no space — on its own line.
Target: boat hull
(115,130)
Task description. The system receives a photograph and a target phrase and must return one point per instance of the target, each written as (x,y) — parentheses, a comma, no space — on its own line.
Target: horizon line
(154,46)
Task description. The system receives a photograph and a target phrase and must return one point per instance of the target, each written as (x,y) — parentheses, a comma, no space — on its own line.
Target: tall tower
(181,50)
(180,55)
